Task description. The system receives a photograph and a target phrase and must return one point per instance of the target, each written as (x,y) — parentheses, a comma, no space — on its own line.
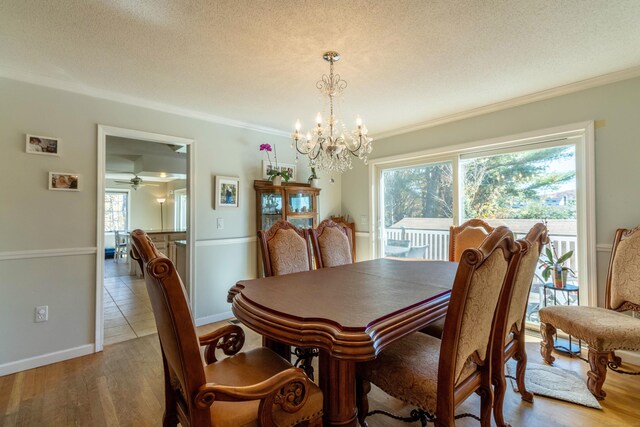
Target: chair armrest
(289,389)
(229,338)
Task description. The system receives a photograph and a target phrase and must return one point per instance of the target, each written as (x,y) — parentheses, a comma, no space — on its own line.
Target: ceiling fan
(136,182)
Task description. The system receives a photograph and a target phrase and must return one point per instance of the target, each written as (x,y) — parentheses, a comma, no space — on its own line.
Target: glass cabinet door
(305,222)
(300,203)
(271,209)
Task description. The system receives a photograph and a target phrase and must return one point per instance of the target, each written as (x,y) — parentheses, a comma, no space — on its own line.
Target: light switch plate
(220,223)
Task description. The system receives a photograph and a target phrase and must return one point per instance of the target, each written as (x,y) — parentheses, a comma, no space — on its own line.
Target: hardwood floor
(123,386)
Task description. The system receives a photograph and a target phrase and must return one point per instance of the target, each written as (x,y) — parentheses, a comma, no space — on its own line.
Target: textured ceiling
(406,62)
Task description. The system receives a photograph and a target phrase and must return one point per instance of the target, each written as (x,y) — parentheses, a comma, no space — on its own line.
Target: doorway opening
(144,183)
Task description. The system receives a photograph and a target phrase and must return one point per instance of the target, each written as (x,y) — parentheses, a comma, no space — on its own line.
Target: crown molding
(602,80)
(132,100)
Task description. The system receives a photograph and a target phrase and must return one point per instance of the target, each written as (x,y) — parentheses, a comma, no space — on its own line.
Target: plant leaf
(546,273)
(565,257)
(549,255)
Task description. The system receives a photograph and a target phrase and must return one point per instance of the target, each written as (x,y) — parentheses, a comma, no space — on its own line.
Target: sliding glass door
(520,187)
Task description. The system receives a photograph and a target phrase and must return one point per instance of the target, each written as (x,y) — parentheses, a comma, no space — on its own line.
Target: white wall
(48,245)
(615,109)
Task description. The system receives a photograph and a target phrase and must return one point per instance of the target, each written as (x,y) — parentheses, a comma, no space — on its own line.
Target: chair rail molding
(46,253)
(226,241)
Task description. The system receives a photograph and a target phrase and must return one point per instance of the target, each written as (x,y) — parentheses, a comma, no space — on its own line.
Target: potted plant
(554,264)
(275,174)
(313,178)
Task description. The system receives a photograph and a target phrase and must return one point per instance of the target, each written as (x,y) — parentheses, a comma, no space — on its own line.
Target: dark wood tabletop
(349,312)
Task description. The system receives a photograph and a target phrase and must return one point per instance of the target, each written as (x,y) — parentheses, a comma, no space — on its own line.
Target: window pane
(417,211)
(115,211)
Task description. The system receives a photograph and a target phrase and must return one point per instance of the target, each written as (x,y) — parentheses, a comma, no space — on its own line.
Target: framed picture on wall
(62,181)
(267,168)
(227,192)
(46,145)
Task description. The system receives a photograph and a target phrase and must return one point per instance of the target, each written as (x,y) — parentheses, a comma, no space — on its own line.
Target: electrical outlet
(42,313)
(364,220)
(220,223)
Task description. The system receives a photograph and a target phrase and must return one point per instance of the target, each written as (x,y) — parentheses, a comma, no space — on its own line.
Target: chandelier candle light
(330,145)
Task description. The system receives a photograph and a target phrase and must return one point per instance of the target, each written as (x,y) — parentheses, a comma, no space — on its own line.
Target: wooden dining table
(350,313)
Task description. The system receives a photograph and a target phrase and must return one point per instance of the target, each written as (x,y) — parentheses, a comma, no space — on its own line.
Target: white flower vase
(277,180)
(315,183)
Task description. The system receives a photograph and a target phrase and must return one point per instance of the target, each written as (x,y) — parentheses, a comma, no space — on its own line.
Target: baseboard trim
(214,318)
(231,241)
(364,234)
(604,247)
(45,359)
(632,357)
(46,253)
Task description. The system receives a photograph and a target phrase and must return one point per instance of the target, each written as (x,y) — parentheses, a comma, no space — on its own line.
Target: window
(116,210)
(180,214)
(417,203)
(514,181)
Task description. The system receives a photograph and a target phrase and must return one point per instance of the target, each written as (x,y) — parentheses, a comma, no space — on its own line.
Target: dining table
(350,313)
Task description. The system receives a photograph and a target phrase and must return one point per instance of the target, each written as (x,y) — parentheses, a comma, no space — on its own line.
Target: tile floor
(127,310)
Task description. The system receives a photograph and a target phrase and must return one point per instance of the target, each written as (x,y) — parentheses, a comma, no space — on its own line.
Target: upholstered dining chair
(468,235)
(285,250)
(331,244)
(508,340)
(604,329)
(255,387)
(437,375)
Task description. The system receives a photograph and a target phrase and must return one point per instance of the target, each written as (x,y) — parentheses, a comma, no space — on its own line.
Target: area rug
(545,380)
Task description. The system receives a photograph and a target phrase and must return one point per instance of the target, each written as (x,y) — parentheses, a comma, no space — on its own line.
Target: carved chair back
(522,276)
(623,278)
(468,235)
(469,325)
(285,249)
(331,244)
(510,317)
(178,338)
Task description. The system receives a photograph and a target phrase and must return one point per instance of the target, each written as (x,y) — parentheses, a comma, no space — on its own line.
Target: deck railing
(438,242)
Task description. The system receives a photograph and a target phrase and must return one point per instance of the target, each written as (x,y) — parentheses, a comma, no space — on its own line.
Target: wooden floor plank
(123,386)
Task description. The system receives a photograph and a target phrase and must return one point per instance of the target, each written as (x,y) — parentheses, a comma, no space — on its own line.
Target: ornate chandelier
(330,145)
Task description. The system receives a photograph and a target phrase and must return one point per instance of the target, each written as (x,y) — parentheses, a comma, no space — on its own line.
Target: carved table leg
(546,345)
(362,390)
(279,348)
(616,359)
(598,361)
(338,384)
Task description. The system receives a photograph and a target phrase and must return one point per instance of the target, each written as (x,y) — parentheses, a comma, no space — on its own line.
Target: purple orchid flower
(265,147)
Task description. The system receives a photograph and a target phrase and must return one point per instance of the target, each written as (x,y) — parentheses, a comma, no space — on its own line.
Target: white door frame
(103,132)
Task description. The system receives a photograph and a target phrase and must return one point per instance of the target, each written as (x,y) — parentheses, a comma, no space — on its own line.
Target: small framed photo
(46,145)
(60,181)
(267,168)
(227,192)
